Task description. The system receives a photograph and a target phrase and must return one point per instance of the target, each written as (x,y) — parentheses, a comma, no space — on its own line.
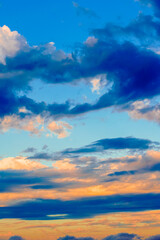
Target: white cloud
(10,43)
(91,41)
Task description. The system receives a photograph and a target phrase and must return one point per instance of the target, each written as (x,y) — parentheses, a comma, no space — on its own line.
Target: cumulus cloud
(91,41)
(10,43)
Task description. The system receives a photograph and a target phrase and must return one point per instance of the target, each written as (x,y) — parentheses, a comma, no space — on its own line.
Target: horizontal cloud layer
(43,209)
(120,236)
(113,144)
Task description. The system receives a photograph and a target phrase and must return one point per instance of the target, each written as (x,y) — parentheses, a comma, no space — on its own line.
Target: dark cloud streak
(44,209)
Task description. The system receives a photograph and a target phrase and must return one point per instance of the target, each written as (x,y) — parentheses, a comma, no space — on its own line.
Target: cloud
(113,143)
(10,43)
(74,238)
(120,236)
(15,179)
(123,236)
(84,11)
(16,238)
(20,163)
(125,56)
(74,177)
(35,125)
(43,209)
(91,41)
(145,110)
(156,237)
(120,60)
(29,150)
(59,128)
(155,4)
(42,155)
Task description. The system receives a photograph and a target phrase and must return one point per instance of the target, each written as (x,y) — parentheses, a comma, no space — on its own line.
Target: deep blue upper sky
(60,22)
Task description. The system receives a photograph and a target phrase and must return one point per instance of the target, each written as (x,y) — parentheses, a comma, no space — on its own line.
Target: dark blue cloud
(123,236)
(113,143)
(74,238)
(44,209)
(14,180)
(122,173)
(152,168)
(142,31)
(120,236)
(16,238)
(41,155)
(156,237)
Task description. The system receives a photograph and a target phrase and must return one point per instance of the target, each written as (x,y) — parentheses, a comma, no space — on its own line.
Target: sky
(79,120)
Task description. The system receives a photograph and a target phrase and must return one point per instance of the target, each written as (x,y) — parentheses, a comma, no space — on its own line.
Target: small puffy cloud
(10,43)
(59,128)
(91,41)
(98,83)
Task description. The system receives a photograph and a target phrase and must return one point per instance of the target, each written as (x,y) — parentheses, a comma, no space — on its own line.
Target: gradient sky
(79,120)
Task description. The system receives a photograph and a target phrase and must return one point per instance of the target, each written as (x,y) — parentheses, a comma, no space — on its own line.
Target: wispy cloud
(84,11)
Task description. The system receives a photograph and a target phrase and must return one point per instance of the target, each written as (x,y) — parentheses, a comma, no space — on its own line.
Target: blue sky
(79,119)
(45,21)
